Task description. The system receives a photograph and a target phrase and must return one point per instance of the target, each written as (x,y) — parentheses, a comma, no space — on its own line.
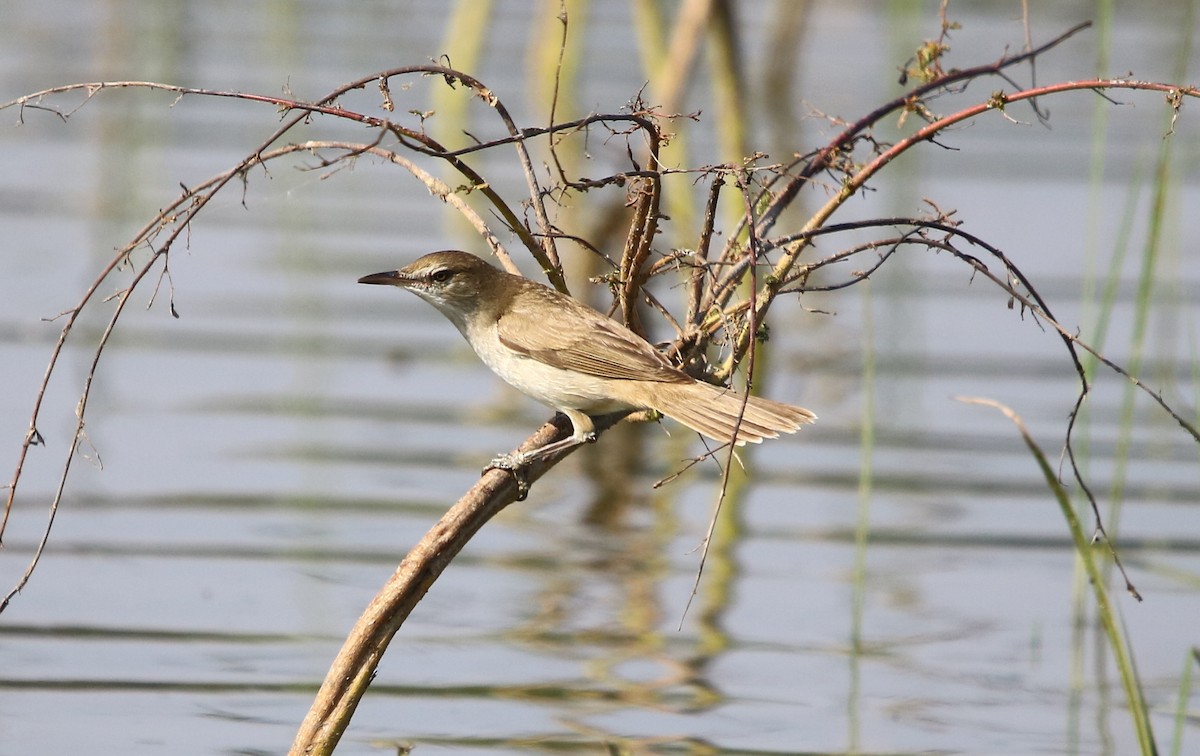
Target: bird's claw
(513,464)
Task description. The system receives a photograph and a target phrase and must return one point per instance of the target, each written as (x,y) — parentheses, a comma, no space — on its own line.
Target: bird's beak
(390,277)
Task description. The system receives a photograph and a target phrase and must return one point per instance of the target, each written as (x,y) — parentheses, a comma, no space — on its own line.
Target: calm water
(260,465)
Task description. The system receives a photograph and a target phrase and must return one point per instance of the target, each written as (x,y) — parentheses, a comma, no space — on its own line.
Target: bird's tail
(718,412)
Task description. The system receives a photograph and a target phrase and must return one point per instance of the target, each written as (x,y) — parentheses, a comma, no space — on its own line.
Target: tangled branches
(728,286)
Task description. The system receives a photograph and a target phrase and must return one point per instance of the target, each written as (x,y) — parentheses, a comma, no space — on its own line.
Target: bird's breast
(552,386)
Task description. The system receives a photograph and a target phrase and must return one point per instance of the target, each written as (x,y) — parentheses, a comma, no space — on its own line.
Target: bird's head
(458,284)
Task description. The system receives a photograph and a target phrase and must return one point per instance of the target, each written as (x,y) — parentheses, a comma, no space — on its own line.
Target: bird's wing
(582,340)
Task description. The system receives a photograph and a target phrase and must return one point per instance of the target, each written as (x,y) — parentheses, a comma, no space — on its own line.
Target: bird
(576,360)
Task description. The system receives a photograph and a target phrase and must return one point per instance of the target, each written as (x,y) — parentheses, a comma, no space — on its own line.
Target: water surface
(265,460)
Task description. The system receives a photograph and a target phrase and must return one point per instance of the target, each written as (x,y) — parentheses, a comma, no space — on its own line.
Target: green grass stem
(1106,611)
(1190,662)
(862,525)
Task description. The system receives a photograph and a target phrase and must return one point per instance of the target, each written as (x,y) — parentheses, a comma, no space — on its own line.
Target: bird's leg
(583,432)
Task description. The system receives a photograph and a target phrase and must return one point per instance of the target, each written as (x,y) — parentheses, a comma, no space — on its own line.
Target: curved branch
(819,161)
(354,667)
(860,177)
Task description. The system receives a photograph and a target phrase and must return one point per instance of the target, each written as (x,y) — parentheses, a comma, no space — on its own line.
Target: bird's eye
(441,275)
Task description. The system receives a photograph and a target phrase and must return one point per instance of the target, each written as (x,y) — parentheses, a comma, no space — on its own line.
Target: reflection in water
(897,580)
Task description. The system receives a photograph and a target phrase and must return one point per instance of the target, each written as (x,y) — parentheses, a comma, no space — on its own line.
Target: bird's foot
(516,462)
(514,465)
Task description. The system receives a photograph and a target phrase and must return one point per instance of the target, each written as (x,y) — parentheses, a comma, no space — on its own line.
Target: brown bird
(570,357)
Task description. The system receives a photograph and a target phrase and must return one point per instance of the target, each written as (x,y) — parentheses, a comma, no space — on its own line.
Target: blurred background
(894,579)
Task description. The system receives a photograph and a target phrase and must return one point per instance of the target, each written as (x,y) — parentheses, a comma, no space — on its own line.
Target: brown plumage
(570,357)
